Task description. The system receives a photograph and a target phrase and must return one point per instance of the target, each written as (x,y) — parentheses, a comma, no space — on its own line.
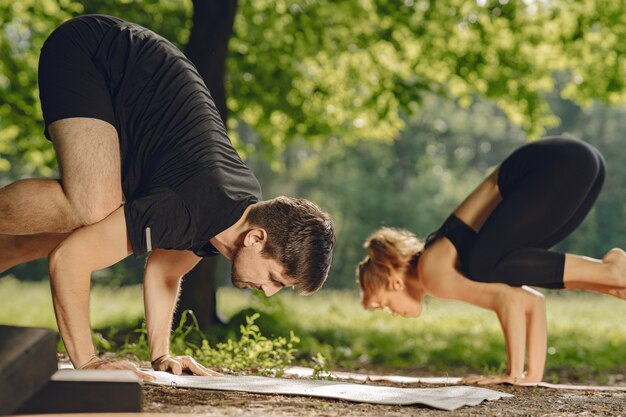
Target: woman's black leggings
(547,189)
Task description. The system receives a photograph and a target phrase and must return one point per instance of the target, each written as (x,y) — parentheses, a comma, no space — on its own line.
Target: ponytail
(387,249)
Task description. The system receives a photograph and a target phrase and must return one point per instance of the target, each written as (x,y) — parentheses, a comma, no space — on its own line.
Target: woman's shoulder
(437,259)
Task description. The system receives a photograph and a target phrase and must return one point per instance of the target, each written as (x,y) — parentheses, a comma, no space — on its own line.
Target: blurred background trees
(382,112)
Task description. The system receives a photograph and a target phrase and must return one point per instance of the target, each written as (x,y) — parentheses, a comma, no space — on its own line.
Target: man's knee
(87,213)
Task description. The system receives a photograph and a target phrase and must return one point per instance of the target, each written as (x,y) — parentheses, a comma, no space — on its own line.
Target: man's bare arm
(70,265)
(164,271)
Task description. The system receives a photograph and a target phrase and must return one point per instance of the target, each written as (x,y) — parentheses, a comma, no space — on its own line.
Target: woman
(495,244)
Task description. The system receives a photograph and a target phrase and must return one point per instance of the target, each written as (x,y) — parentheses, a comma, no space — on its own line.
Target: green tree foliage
(350,69)
(357,83)
(24,27)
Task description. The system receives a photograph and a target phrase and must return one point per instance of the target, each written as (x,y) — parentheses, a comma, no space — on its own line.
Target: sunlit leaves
(344,69)
(25,25)
(594,44)
(321,69)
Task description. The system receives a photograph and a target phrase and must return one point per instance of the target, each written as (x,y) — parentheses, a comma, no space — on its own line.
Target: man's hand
(97,363)
(497,379)
(179,364)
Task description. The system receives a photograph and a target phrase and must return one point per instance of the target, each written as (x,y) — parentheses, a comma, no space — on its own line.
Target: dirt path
(526,402)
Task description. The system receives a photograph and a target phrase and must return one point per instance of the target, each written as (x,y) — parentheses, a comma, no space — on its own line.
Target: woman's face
(396,299)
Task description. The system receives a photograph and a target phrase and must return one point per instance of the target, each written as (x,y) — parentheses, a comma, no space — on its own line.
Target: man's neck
(227,241)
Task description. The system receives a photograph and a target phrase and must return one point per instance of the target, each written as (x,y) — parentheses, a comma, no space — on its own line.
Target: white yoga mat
(303,372)
(445,398)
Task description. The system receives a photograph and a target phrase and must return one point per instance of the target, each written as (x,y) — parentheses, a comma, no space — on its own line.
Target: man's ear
(395,282)
(255,236)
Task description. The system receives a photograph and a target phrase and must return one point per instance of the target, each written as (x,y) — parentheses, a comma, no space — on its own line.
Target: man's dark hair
(300,236)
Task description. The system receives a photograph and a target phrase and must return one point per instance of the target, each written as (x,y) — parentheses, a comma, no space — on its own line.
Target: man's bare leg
(90,187)
(16,250)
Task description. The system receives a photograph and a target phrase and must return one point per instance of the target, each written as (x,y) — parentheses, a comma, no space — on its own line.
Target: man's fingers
(175,366)
(120,364)
(145,376)
(214,373)
(194,367)
(178,364)
(197,368)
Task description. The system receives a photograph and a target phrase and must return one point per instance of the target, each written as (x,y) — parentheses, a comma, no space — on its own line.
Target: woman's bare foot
(616,260)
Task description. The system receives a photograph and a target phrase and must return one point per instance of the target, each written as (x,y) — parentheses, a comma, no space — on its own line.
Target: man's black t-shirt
(182,179)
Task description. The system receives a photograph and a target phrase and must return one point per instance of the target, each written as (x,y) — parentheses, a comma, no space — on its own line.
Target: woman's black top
(461,235)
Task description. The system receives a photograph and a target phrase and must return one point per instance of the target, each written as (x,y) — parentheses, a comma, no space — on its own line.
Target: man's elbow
(158,273)
(63,259)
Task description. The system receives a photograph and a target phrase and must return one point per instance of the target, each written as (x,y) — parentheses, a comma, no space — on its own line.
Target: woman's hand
(498,379)
(97,363)
(178,364)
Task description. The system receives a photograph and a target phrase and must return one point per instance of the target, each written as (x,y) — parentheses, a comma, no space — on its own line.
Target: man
(146,166)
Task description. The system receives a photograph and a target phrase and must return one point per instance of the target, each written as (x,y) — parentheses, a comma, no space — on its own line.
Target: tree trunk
(207,49)
(208,45)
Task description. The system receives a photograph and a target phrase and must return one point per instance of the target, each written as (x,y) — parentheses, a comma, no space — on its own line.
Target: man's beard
(234,274)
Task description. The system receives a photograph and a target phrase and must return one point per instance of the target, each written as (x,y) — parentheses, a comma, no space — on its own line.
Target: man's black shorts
(70,84)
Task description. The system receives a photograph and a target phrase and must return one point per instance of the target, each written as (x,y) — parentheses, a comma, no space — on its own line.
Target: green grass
(587,332)
(30,304)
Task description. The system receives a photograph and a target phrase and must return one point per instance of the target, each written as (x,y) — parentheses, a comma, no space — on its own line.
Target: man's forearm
(70,295)
(160,296)
(164,271)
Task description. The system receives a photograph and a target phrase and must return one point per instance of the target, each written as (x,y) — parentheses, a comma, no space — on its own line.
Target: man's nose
(270,290)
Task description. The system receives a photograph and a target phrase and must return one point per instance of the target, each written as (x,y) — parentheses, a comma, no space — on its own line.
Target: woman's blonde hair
(388,249)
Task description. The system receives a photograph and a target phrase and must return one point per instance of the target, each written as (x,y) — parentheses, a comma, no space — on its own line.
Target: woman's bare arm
(536,334)
(520,310)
